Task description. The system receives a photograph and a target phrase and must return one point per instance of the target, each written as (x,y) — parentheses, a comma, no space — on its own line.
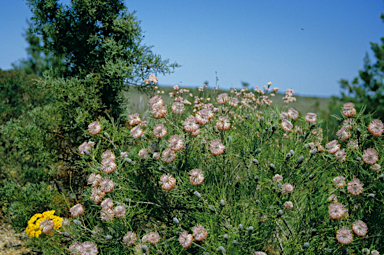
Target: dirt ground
(11,243)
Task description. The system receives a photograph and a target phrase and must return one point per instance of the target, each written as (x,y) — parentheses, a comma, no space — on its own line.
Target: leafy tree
(368,88)
(99,37)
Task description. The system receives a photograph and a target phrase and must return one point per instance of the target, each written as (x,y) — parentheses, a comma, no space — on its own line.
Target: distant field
(138,102)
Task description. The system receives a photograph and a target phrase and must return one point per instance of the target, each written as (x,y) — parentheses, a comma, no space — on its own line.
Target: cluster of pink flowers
(288,98)
(167,182)
(376,128)
(151,79)
(108,161)
(199,233)
(217,147)
(344,235)
(101,186)
(349,110)
(196,176)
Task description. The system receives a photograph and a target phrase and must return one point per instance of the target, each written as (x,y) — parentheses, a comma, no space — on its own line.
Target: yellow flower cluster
(34,229)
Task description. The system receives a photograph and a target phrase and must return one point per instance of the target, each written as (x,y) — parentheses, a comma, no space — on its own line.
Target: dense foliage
(227,175)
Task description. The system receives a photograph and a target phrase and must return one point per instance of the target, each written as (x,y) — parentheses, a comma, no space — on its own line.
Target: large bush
(227,175)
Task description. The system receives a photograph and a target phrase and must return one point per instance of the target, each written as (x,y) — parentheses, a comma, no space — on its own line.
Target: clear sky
(306,45)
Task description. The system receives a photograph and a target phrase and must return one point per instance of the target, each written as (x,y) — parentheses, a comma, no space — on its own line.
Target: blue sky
(304,45)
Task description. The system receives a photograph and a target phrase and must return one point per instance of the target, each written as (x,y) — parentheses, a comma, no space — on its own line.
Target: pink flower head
(336,211)
(311,117)
(259,253)
(129,239)
(168,155)
(293,114)
(106,185)
(349,110)
(94,179)
(202,117)
(143,153)
(159,131)
(286,125)
(167,182)
(153,237)
(343,134)
(159,111)
(376,167)
(284,115)
(119,211)
(287,188)
(175,143)
(375,252)
(341,155)
(199,232)
(196,176)
(75,248)
(97,195)
(344,235)
(85,146)
(288,205)
(156,101)
(94,128)
(76,210)
(360,228)
(108,155)
(332,146)
(233,101)
(156,155)
(136,132)
(223,123)
(107,214)
(217,147)
(46,226)
(332,198)
(88,248)
(376,128)
(355,187)
(185,239)
(277,178)
(222,98)
(196,133)
(339,181)
(108,165)
(177,107)
(370,156)
(190,124)
(134,119)
(107,203)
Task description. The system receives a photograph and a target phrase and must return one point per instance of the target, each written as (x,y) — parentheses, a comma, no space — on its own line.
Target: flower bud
(229,139)
(197,194)
(306,245)
(107,135)
(144,248)
(108,237)
(262,119)
(257,151)
(256,178)
(358,159)
(225,237)
(234,242)
(311,176)
(371,195)
(212,208)
(77,222)
(292,152)
(65,234)
(241,226)
(255,161)
(128,160)
(221,248)
(86,152)
(257,201)
(313,152)
(250,230)
(280,213)
(300,160)
(222,202)
(272,166)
